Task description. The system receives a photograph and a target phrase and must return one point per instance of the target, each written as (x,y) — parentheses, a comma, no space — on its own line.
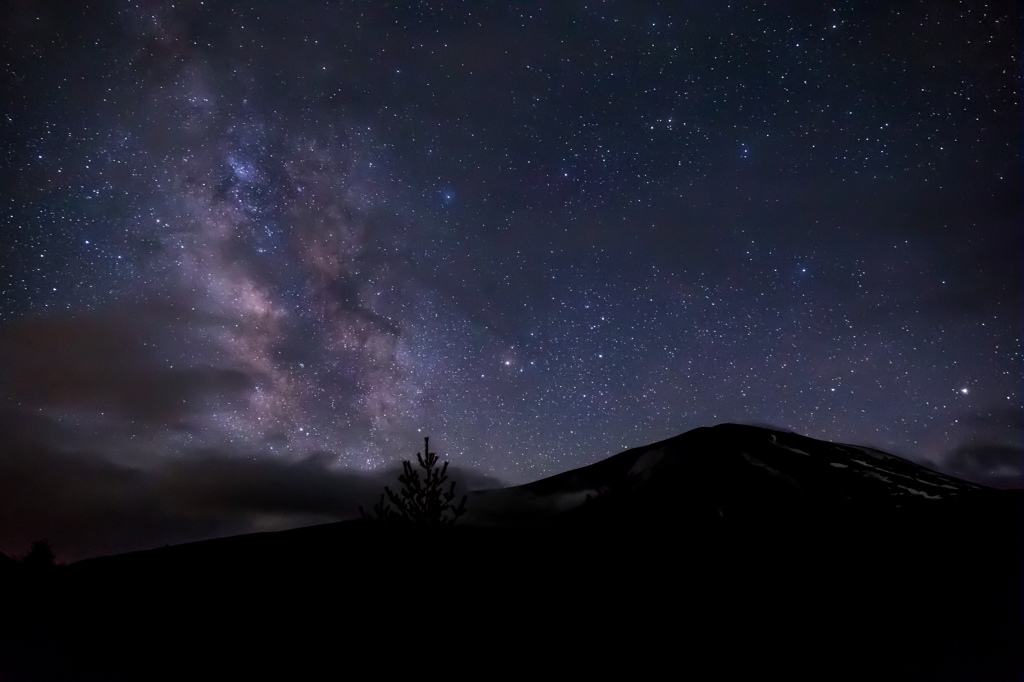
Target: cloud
(88,505)
(999,466)
(125,428)
(119,362)
(991,449)
(210,482)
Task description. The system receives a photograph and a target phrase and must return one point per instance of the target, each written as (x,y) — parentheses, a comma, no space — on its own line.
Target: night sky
(251,253)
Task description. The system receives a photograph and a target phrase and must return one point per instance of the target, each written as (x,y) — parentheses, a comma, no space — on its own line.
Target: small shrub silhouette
(40,556)
(421,502)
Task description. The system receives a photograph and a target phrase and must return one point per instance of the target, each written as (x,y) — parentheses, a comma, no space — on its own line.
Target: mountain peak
(729,467)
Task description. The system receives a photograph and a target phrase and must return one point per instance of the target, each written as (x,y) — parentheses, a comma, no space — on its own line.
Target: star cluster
(540,233)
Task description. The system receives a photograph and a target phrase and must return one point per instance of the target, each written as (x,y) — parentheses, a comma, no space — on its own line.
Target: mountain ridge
(782,463)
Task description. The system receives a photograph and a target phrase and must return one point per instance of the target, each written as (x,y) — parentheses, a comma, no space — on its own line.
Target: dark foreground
(868,594)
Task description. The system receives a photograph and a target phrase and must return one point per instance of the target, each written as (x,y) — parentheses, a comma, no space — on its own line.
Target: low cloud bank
(88,505)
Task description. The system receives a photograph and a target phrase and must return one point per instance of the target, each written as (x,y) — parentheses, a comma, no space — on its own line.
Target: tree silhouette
(421,501)
(40,555)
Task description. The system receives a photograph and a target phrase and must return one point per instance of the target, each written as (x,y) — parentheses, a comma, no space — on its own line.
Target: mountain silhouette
(724,551)
(726,471)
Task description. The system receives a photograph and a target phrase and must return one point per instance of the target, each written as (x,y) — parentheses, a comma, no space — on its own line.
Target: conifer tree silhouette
(421,502)
(40,555)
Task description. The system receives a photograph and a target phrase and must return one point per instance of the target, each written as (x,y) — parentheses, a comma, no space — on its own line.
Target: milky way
(539,234)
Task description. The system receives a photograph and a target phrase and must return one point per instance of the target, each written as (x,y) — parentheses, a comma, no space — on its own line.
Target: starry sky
(253,252)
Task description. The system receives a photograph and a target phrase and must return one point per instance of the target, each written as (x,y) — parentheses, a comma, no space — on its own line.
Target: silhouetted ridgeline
(731,549)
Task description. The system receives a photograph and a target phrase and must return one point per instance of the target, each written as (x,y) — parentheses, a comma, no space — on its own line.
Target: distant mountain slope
(725,469)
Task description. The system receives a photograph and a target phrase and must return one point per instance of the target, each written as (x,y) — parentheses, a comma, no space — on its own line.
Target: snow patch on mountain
(789,480)
(791,449)
(921,493)
(646,462)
